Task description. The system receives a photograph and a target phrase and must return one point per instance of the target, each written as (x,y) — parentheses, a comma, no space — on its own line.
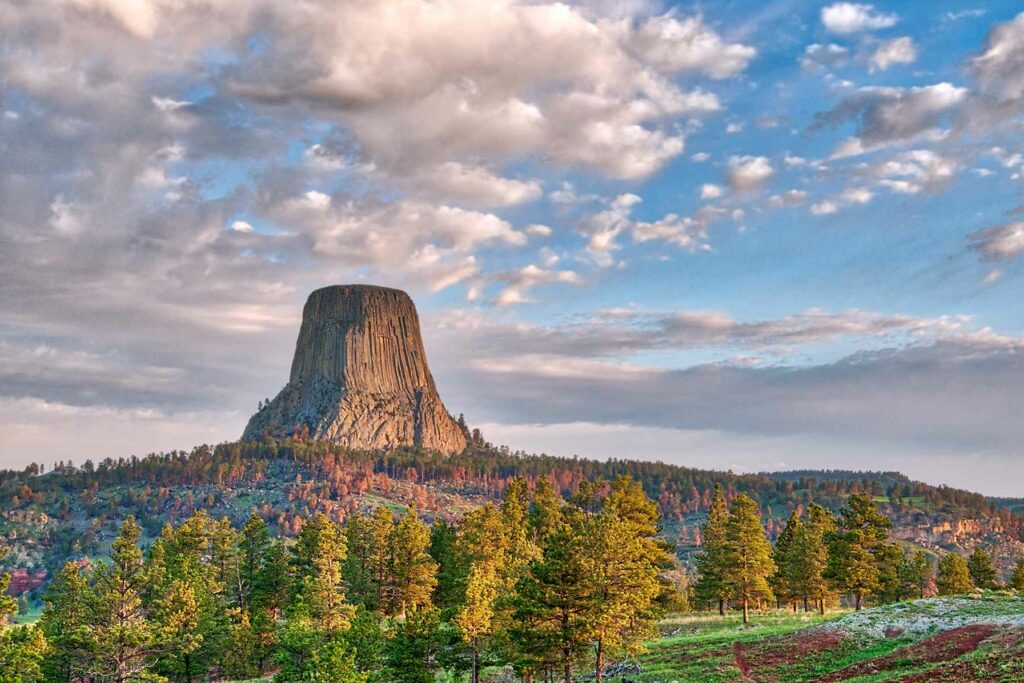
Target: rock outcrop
(360,377)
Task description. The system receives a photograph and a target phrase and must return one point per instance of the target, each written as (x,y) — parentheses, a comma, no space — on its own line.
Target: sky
(729,235)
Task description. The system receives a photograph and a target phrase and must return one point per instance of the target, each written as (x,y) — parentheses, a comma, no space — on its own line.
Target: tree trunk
(806,606)
(476,666)
(746,617)
(721,607)
(821,605)
(568,671)
(599,666)
(856,601)
(794,607)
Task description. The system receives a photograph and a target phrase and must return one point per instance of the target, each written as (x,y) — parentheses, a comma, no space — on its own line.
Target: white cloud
(1000,67)
(675,45)
(886,115)
(1001,243)
(823,55)
(896,51)
(824,208)
(604,228)
(916,170)
(850,17)
(711,191)
(517,283)
(478,185)
(748,173)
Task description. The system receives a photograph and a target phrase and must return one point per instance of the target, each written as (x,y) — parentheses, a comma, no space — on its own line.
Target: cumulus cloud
(711,191)
(885,115)
(999,69)
(851,17)
(535,79)
(824,55)
(478,185)
(748,173)
(916,170)
(895,51)
(517,283)
(604,228)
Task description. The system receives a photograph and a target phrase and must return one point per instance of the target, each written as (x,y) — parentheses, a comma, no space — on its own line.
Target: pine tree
(413,573)
(123,643)
(625,559)
(382,523)
(550,621)
(412,655)
(357,569)
(808,558)
(749,555)
(785,582)
(318,555)
(251,588)
(711,562)
(1017,577)
(954,576)
(983,574)
(475,619)
(65,624)
(452,567)
(545,512)
(853,546)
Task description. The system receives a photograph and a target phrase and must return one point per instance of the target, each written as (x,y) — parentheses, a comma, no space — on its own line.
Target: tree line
(820,558)
(536,582)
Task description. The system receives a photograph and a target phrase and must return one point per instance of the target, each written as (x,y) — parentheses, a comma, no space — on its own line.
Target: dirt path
(943,647)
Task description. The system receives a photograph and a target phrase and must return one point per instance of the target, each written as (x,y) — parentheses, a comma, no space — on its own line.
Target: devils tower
(360,377)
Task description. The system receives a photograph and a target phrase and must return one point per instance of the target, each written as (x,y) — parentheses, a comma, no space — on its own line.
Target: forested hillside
(50,514)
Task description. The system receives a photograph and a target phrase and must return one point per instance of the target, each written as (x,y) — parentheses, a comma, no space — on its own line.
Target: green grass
(702,650)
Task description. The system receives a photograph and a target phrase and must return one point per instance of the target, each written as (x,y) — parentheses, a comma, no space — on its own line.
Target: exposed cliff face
(360,376)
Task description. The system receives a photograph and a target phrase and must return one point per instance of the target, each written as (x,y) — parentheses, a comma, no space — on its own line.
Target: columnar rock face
(360,377)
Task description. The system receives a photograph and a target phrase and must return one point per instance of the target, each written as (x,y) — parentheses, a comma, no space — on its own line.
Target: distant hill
(69,512)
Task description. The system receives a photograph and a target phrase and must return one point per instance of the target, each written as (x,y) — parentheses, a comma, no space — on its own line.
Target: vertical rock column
(360,377)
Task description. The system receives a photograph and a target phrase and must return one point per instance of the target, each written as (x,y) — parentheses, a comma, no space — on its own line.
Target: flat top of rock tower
(355,289)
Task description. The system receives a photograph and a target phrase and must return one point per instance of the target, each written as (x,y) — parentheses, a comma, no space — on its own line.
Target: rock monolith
(360,377)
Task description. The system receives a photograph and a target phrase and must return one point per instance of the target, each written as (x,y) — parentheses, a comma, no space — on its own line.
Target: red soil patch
(944,647)
(1003,662)
(757,659)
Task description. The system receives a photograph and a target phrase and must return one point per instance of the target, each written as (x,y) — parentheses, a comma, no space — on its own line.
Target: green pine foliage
(954,575)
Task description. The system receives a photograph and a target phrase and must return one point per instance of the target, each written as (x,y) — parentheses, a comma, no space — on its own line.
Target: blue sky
(781,237)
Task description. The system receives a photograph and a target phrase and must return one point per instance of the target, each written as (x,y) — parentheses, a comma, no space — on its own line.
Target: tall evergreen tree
(860,533)
(413,573)
(452,567)
(65,624)
(712,560)
(983,574)
(785,582)
(359,561)
(954,576)
(808,558)
(124,643)
(550,621)
(749,555)
(623,561)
